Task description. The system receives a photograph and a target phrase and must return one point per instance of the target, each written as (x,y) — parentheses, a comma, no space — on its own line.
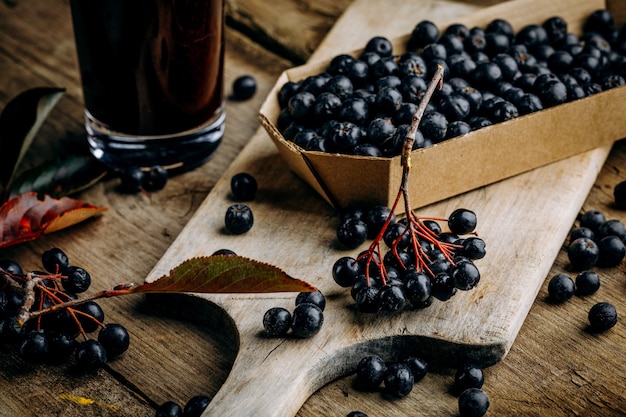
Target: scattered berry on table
(306,320)
(473,402)
(243,186)
(356,414)
(418,367)
(277,322)
(602,316)
(169,409)
(468,376)
(155,179)
(238,219)
(196,405)
(398,379)
(131,180)
(583,253)
(561,288)
(612,251)
(587,283)
(314,297)
(370,372)
(244,87)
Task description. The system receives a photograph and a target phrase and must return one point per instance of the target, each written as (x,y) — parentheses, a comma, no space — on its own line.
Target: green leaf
(20,121)
(225,274)
(59,178)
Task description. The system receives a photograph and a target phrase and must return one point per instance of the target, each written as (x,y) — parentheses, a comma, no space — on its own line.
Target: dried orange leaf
(225,274)
(28,217)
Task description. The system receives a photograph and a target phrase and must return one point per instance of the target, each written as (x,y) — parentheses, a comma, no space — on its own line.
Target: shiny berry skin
(277,322)
(398,379)
(417,288)
(345,271)
(561,288)
(196,405)
(114,338)
(370,372)
(352,233)
(379,45)
(243,186)
(244,87)
(90,355)
(10,266)
(392,298)
(583,253)
(473,402)
(612,251)
(307,320)
(375,218)
(94,316)
(434,126)
(169,409)
(602,316)
(468,376)
(462,221)
(418,367)
(587,283)
(592,219)
(314,297)
(368,299)
(612,227)
(131,180)
(238,219)
(474,248)
(465,275)
(77,280)
(54,261)
(34,348)
(424,33)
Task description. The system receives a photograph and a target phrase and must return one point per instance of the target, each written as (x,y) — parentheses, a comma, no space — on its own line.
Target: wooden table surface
(554,368)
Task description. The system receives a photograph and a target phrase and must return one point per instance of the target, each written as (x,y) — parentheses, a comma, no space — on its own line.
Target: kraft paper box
(478,158)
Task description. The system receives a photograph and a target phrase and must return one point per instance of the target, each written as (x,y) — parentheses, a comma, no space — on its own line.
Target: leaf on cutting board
(61,177)
(225,274)
(28,217)
(20,120)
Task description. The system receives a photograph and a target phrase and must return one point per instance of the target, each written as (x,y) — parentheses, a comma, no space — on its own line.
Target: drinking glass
(152,80)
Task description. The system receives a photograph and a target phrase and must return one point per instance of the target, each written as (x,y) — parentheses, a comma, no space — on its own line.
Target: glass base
(176,153)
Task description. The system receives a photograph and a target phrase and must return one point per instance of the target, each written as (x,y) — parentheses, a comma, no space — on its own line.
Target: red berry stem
(415,225)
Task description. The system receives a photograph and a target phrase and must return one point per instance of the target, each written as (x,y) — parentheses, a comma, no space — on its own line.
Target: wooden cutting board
(524,221)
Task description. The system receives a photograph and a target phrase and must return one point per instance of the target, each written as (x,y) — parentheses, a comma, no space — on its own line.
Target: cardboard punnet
(478,158)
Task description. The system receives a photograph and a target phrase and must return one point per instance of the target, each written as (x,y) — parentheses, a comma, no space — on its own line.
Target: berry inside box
(514,141)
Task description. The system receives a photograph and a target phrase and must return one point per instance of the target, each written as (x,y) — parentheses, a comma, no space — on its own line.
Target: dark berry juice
(152,76)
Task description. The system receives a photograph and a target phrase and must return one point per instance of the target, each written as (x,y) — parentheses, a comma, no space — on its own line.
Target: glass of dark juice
(152,78)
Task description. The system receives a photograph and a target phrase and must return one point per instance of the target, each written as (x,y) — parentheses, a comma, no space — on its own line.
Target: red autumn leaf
(28,217)
(225,274)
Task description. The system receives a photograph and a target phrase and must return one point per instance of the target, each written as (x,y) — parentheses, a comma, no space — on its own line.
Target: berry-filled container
(591,116)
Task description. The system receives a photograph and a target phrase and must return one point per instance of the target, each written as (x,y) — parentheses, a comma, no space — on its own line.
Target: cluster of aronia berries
(596,241)
(399,378)
(363,105)
(421,262)
(305,321)
(56,336)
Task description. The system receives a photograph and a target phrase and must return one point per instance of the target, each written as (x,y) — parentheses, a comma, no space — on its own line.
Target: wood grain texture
(554,367)
(478,326)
